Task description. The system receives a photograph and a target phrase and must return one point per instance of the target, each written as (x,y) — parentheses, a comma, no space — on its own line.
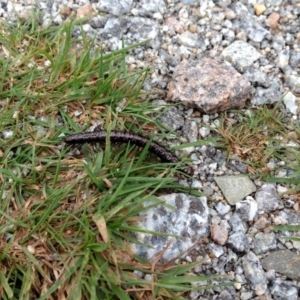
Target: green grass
(260,135)
(291,228)
(66,220)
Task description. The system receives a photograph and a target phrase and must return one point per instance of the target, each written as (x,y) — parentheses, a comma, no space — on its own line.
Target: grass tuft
(66,219)
(260,136)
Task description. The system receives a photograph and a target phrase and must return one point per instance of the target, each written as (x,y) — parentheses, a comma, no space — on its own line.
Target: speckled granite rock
(210,85)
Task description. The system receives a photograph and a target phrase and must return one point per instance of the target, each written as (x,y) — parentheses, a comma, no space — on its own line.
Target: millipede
(123,137)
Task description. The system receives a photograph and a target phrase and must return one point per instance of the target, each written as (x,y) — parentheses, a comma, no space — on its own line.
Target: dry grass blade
(64,213)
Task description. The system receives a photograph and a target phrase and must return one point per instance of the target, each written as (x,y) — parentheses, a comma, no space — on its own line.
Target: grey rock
(190,131)
(283,58)
(218,17)
(219,264)
(267,199)
(237,165)
(271,275)
(225,292)
(239,8)
(271,95)
(293,82)
(285,262)
(216,39)
(228,37)
(225,295)
(295,59)
(98,22)
(223,3)
(257,77)
(222,208)
(207,190)
(153,6)
(189,39)
(172,118)
(137,29)
(168,58)
(209,84)
(235,187)
(256,34)
(246,209)
(274,2)
(255,31)
(218,157)
(290,102)
(189,2)
(142,29)
(188,220)
(277,46)
(233,257)
(278,39)
(289,203)
(225,225)
(115,27)
(283,289)
(254,273)
(247,295)
(264,242)
(240,54)
(7,134)
(238,242)
(292,217)
(204,131)
(49,4)
(289,39)
(217,250)
(115,7)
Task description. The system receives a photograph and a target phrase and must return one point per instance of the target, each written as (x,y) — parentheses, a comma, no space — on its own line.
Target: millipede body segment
(123,137)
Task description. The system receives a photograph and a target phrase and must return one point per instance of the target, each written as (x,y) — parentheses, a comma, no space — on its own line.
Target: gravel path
(262,43)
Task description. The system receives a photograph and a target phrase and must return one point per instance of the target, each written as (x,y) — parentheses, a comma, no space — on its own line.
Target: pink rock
(218,234)
(209,84)
(173,25)
(273,19)
(85,10)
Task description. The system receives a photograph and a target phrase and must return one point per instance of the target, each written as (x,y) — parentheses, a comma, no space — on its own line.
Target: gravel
(262,43)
